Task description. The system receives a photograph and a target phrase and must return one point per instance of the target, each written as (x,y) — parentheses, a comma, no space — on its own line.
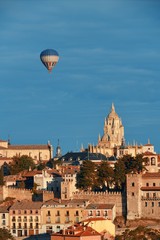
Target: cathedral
(112,143)
(113,135)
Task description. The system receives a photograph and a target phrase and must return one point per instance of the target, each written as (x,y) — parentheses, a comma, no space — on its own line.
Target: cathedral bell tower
(113,130)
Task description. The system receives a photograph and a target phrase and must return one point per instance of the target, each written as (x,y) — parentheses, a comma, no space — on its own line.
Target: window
(146,204)
(154,184)
(132,193)
(105,213)
(3,216)
(154,195)
(90,213)
(147,184)
(77,219)
(147,195)
(153,161)
(98,213)
(77,213)
(48,213)
(67,213)
(158,204)
(132,184)
(152,204)
(58,213)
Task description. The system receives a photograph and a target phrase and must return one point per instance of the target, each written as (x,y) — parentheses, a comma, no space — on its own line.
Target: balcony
(150,198)
(48,221)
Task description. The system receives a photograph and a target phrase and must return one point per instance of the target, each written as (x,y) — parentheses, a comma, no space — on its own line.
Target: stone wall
(116,198)
(21,194)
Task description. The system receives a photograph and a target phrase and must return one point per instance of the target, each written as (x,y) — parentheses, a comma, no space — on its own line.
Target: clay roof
(57,201)
(4,209)
(100,206)
(149,153)
(25,205)
(151,175)
(78,230)
(27,147)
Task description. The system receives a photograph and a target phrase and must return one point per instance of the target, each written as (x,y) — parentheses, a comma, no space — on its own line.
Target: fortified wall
(116,198)
(21,194)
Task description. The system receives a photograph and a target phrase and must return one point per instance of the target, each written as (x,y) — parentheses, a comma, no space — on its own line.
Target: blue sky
(109,52)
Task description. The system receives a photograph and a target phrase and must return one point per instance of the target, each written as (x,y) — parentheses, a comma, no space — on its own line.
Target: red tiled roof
(27,147)
(149,153)
(25,204)
(151,175)
(100,206)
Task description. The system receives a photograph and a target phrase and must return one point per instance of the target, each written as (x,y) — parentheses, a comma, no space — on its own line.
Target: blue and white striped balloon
(49,58)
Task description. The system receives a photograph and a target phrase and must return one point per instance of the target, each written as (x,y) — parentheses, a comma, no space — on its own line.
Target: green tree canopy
(86,177)
(21,163)
(5,234)
(104,175)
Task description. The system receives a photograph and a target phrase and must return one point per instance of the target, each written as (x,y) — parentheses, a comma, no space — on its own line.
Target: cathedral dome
(112,113)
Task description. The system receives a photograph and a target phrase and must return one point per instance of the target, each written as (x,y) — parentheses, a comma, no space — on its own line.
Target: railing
(150,198)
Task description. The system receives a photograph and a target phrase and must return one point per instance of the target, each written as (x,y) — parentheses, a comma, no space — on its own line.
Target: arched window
(153,161)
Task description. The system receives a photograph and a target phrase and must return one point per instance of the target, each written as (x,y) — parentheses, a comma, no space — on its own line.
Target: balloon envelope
(49,58)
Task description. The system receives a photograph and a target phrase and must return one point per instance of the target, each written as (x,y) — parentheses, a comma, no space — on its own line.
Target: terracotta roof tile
(27,147)
(25,204)
(151,175)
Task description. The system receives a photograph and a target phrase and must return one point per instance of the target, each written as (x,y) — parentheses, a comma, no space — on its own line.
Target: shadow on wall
(44,236)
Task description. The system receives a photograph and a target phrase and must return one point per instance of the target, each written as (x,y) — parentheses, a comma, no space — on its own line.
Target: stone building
(25,218)
(59,214)
(37,152)
(143,191)
(112,143)
(113,135)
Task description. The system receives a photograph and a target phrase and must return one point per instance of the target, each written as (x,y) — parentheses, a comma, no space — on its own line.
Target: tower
(58,150)
(113,130)
(113,135)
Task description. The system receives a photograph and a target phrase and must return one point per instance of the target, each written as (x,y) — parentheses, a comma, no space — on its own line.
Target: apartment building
(25,218)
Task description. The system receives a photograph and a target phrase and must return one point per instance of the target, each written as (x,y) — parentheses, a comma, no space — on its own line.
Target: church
(112,143)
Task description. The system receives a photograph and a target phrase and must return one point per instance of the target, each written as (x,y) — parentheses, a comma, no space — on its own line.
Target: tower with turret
(113,135)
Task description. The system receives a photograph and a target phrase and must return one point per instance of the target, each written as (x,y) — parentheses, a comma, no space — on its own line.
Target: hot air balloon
(49,58)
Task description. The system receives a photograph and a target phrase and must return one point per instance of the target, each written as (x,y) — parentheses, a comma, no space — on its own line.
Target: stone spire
(112,108)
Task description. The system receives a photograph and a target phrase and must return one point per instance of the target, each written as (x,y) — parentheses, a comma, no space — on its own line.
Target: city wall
(21,194)
(116,198)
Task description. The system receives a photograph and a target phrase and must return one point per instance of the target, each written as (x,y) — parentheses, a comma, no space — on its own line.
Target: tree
(21,163)
(128,164)
(104,175)
(139,233)
(86,177)
(5,234)
(119,174)
(1,176)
